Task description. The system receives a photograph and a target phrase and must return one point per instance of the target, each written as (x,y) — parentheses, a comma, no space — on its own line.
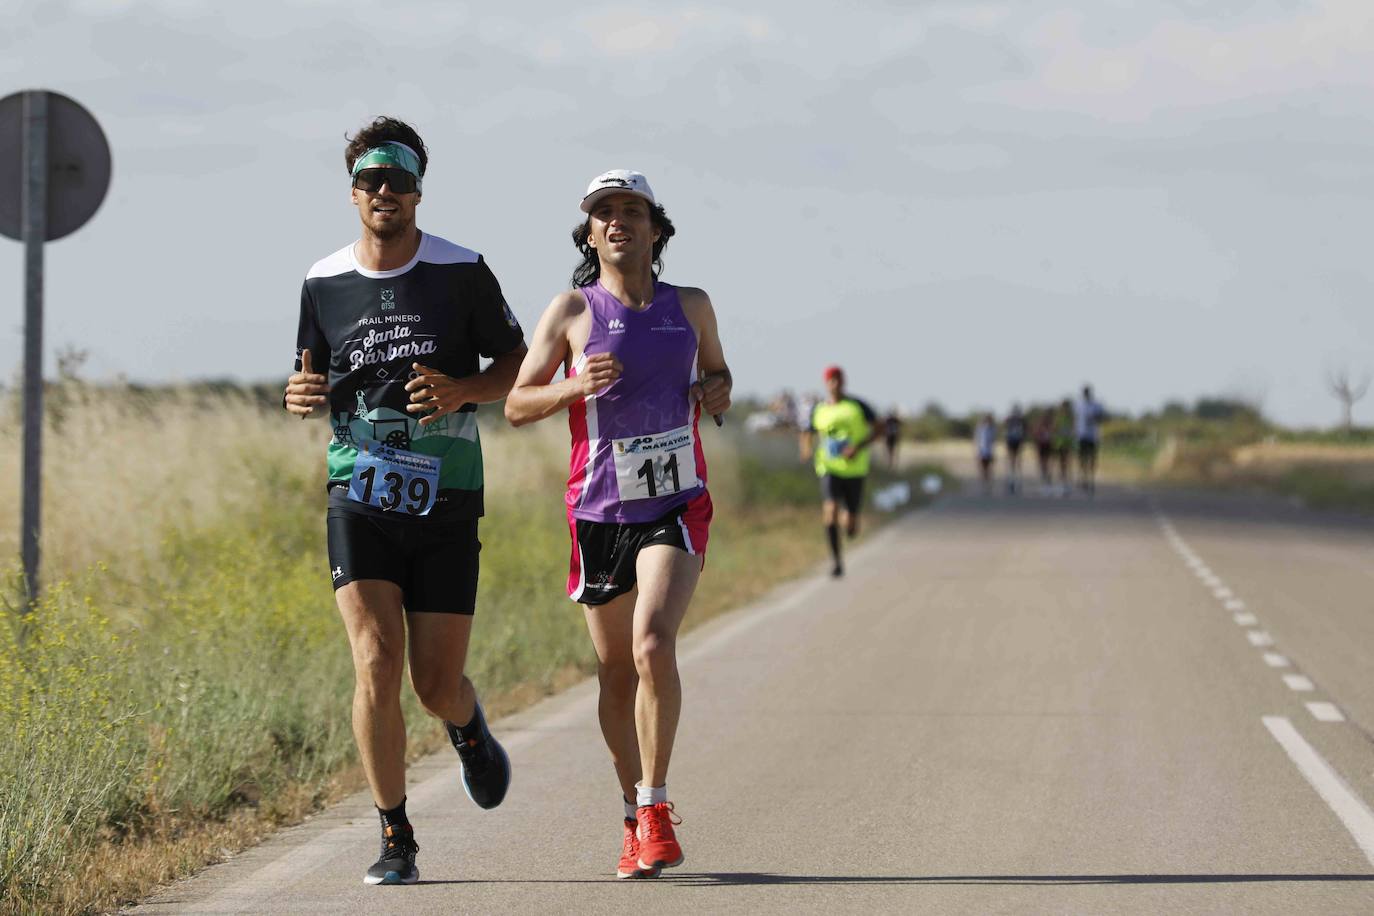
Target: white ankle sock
(630,814)
(650,795)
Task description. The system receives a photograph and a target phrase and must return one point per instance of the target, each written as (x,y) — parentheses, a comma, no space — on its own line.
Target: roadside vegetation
(184,685)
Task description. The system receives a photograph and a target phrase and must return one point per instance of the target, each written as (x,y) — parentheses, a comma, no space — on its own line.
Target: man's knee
(618,677)
(655,655)
(377,665)
(435,688)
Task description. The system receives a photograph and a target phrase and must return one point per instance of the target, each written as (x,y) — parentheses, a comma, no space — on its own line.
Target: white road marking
(1334,790)
(1297,682)
(1259,638)
(1235,604)
(1246,620)
(1325,712)
(1222,593)
(1275,660)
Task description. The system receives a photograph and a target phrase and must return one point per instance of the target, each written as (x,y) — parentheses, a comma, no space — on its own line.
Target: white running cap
(616,181)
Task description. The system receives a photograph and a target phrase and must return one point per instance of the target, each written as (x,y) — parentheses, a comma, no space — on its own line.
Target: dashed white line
(1297,682)
(1325,712)
(1275,660)
(1222,593)
(1334,790)
(1235,604)
(1259,638)
(1245,620)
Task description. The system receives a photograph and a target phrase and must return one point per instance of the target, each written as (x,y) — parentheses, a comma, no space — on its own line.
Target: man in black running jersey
(392,327)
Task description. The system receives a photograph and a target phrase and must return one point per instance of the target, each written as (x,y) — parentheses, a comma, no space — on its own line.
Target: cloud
(1147,66)
(631,31)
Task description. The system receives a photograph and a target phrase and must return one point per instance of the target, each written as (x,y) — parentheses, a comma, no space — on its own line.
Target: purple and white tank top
(636,452)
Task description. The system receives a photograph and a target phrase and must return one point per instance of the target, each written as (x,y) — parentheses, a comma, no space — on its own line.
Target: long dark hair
(589,271)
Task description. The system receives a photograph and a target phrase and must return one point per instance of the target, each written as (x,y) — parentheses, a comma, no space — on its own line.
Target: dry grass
(123,469)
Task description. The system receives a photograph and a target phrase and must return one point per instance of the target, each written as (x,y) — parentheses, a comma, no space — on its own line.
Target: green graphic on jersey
(452,438)
(839,426)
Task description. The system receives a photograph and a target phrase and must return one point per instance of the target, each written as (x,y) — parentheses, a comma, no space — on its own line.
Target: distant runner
(985,442)
(642,361)
(1064,443)
(1042,431)
(845,427)
(391,328)
(892,433)
(1014,431)
(1087,414)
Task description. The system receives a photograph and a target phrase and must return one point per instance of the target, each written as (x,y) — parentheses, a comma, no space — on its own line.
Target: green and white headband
(391,154)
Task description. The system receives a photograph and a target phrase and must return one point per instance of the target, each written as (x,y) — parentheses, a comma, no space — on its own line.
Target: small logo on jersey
(510,318)
(667,325)
(338,571)
(388,299)
(616,325)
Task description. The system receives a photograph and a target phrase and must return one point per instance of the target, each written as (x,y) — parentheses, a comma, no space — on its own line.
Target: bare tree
(1346,391)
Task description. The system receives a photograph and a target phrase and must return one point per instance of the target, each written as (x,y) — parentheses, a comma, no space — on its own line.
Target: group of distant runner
(839,430)
(1058,432)
(391,330)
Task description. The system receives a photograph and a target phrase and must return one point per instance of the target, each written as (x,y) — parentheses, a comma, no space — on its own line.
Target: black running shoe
(397,864)
(486,768)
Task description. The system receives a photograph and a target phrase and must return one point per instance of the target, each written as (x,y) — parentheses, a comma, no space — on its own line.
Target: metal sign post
(63,160)
(35,229)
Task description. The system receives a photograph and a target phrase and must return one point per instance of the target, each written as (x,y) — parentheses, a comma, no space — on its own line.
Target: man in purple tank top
(642,361)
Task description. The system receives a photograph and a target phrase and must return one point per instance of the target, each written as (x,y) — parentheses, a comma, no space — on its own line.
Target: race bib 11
(658,464)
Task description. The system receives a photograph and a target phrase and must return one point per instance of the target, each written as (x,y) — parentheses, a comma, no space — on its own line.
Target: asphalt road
(1009,705)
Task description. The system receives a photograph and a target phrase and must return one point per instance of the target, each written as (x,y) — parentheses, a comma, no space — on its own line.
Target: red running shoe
(629,856)
(658,847)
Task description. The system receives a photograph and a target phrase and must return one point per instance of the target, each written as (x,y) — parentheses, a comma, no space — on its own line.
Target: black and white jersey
(444,310)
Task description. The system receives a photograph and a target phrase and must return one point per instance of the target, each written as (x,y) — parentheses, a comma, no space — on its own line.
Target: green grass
(1324,487)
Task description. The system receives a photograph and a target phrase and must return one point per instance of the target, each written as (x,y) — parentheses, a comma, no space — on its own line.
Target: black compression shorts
(434,562)
(847,491)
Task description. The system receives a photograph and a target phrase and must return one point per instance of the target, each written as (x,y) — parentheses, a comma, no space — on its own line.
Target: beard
(390,230)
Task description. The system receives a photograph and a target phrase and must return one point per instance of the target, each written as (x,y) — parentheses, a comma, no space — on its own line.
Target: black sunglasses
(371,180)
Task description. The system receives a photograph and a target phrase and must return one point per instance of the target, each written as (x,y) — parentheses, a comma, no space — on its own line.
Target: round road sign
(78,165)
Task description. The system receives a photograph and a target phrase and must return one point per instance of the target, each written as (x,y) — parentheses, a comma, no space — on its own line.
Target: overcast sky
(974,203)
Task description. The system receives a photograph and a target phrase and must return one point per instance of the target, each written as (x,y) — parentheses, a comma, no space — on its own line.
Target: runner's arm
(715,383)
(871,419)
(533,398)
(307,389)
(435,394)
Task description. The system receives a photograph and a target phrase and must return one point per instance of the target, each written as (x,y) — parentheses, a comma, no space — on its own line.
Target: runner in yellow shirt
(837,439)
